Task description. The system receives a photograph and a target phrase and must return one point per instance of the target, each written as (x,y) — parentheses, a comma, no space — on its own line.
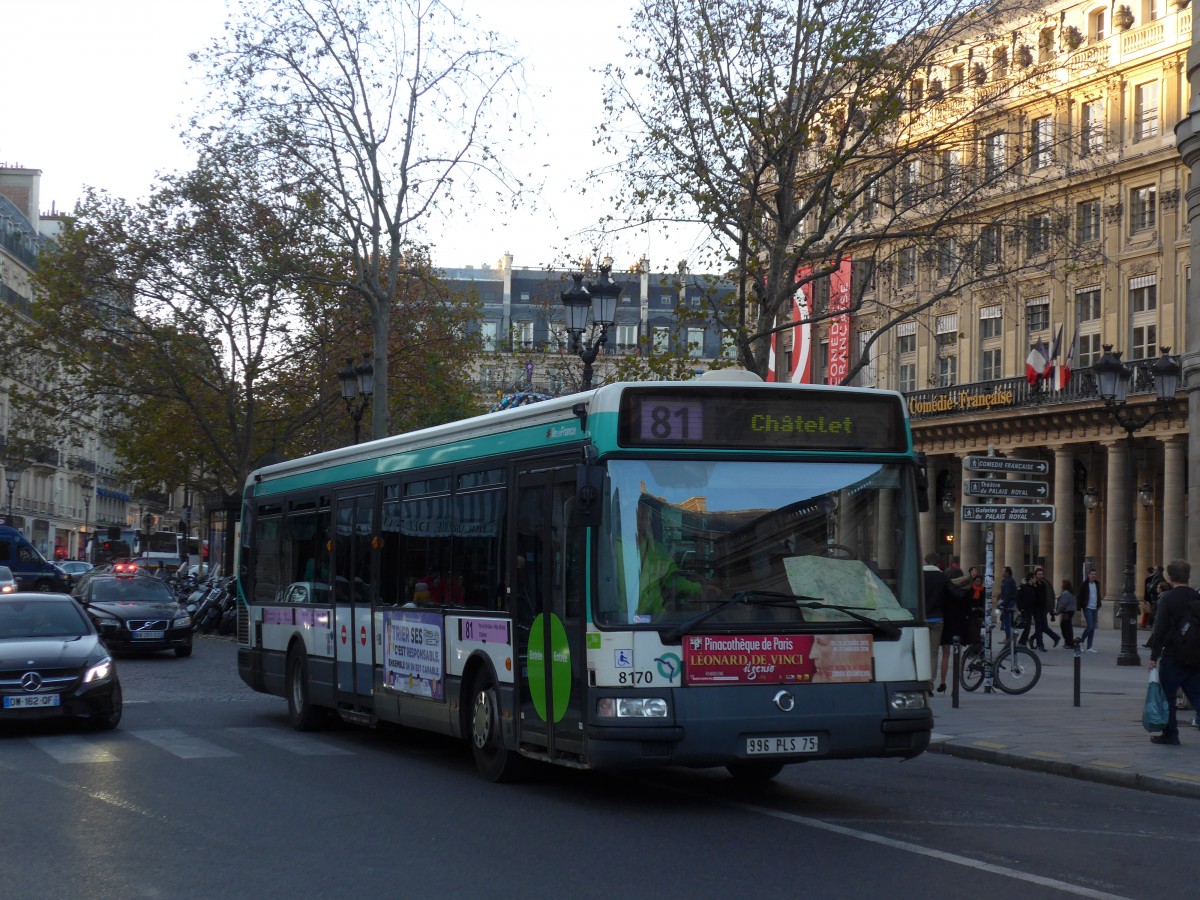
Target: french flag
(1036,363)
(1062,372)
(1048,372)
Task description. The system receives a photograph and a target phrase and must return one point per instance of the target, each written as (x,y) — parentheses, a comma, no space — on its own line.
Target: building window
(916,91)
(1046,45)
(990,366)
(1142,203)
(1000,64)
(910,174)
(1087,221)
(951,172)
(1154,10)
(661,338)
(946,331)
(991,325)
(1097,23)
(907,378)
(1091,128)
(729,348)
(627,338)
(956,76)
(1087,302)
(947,257)
(1145,111)
(487,333)
(907,343)
(1037,234)
(947,371)
(1041,140)
(989,245)
(523,335)
(695,339)
(907,271)
(1037,315)
(993,155)
(1144,341)
(1089,350)
(1143,294)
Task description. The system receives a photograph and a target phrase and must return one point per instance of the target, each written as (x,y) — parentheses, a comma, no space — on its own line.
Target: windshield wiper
(769,598)
(883,627)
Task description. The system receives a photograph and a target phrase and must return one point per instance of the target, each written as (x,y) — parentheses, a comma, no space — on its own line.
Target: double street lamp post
(358,384)
(599,301)
(1114,377)
(12,475)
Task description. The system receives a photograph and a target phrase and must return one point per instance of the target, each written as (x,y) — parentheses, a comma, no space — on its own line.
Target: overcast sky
(94,93)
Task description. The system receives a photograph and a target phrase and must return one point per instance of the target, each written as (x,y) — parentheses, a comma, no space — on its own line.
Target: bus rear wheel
(495,761)
(302,714)
(754,772)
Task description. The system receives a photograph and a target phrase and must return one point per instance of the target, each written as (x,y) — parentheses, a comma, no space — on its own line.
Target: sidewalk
(1100,740)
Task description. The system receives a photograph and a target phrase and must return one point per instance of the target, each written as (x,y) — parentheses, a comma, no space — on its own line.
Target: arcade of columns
(1065,436)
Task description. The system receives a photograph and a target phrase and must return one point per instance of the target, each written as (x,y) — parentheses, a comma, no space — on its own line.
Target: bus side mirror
(589,480)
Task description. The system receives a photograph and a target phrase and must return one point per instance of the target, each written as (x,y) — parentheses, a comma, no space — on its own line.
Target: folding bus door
(354,632)
(547,582)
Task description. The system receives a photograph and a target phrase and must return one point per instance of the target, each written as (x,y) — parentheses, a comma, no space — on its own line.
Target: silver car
(8,584)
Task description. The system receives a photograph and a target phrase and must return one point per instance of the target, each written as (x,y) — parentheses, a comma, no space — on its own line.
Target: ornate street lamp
(948,502)
(12,475)
(600,300)
(358,384)
(1091,498)
(1114,377)
(88,486)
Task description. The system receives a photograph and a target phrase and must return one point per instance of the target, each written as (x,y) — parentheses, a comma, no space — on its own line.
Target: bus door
(354,632)
(547,592)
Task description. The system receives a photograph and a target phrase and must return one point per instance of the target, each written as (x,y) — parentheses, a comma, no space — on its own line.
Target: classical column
(1116,528)
(1187,140)
(928,525)
(1063,563)
(1014,540)
(1148,549)
(1173,507)
(969,543)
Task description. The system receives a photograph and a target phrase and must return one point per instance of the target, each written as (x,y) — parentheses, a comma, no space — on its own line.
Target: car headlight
(908,700)
(182,622)
(99,671)
(632,707)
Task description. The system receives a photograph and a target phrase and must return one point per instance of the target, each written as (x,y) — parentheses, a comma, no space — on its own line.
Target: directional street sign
(981,487)
(1036,515)
(1002,464)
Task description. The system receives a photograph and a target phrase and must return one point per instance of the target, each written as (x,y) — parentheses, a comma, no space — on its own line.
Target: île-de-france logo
(555,432)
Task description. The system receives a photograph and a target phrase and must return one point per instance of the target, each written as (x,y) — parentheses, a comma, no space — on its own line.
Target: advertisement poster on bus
(413,661)
(776,659)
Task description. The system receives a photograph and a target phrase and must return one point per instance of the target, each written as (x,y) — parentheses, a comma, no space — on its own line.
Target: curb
(1079,771)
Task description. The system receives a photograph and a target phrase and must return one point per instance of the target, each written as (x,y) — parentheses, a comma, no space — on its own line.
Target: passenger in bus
(661,583)
(443,591)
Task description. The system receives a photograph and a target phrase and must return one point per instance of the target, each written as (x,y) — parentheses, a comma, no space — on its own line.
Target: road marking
(73,749)
(990,745)
(1105,764)
(182,745)
(1046,754)
(291,742)
(1184,776)
(942,855)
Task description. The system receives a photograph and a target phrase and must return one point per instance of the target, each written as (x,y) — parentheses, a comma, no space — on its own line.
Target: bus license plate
(149,635)
(781,744)
(33,700)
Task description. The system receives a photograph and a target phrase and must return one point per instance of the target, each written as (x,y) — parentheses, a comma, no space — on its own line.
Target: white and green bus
(718,572)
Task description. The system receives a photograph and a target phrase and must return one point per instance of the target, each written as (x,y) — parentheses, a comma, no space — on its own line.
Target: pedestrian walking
(1088,598)
(1042,608)
(1066,614)
(937,590)
(1175,645)
(1007,603)
(1027,598)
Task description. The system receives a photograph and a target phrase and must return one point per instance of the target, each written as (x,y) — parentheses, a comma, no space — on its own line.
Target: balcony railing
(1014,393)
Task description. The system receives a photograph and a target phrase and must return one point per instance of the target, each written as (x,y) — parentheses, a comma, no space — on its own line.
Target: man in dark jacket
(1089,599)
(1174,672)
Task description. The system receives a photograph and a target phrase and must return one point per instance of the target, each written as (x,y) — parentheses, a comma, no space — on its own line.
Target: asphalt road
(205,791)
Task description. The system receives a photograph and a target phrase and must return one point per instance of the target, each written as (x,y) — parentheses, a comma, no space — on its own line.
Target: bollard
(955,659)
(1078,668)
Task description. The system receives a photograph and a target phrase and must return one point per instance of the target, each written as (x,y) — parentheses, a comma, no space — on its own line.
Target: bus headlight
(908,700)
(632,708)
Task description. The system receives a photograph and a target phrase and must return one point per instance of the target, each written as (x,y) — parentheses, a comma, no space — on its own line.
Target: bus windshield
(792,540)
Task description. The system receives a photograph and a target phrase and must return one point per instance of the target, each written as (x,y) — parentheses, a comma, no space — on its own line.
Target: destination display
(762,419)
(1034,514)
(981,487)
(1002,464)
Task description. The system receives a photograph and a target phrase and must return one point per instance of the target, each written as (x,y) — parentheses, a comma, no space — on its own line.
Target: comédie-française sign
(963,399)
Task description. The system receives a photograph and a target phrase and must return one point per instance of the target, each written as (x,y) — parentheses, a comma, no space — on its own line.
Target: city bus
(712,573)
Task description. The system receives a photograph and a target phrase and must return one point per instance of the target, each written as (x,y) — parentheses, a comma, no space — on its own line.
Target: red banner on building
(776,659)
(839,325)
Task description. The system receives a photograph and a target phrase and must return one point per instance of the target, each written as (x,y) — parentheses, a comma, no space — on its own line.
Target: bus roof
(602,400)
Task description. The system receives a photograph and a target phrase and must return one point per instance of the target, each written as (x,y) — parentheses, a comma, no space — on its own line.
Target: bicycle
(1014,669)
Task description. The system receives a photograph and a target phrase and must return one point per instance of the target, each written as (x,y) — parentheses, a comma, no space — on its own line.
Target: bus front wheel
(494,761)
(302,714)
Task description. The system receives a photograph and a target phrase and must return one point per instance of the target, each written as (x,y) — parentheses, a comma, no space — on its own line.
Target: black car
(53,663)
(134,611)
